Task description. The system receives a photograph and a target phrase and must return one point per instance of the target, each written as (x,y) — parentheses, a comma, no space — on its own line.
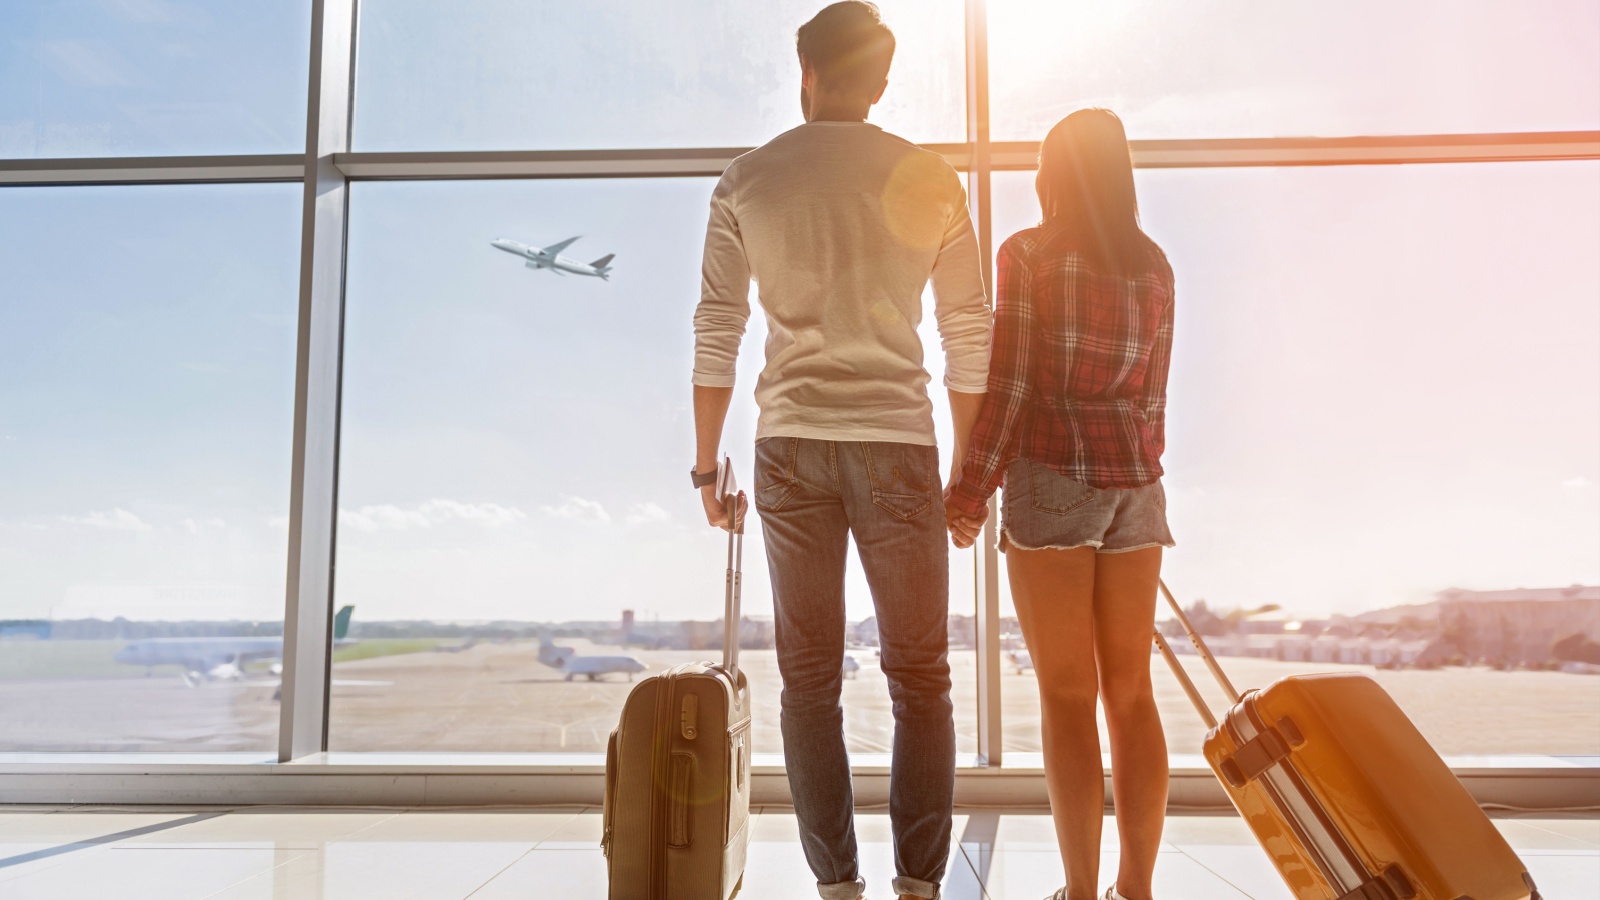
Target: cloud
(491,514)
(382,517)
(388,517)
(578,508)
(646,513)
(147,11)
(84,64)
(1579,482)
(195,526)
(117,519)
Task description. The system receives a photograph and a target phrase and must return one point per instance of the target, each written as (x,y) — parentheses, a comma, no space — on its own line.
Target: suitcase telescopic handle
(732,500)
(1205,654)
(1199,644)
(1199,702)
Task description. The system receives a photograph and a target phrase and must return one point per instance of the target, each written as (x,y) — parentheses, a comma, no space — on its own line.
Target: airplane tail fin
(341,622)
(604,262)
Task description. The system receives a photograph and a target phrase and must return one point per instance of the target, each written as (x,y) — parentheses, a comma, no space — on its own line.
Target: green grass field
(93,659)
(375,647)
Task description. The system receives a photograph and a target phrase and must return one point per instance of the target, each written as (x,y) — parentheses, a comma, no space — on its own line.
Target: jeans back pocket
(1054,492)
(905,477)
(775,472)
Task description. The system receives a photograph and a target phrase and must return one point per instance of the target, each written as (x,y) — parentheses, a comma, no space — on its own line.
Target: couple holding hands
(1058,399)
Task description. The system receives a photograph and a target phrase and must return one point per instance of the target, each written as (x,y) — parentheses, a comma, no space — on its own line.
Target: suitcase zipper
(660,773)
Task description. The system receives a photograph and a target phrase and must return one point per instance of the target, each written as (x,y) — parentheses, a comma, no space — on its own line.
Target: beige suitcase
(677,801)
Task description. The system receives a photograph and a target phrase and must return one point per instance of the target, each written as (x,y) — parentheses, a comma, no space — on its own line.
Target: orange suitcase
(1345,794)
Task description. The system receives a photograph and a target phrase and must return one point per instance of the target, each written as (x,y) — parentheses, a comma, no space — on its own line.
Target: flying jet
(550,258)
(592,667)
(219,658)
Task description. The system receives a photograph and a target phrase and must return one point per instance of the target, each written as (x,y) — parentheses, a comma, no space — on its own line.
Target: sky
(1385,378)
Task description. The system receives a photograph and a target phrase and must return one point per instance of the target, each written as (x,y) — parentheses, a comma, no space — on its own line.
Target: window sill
(1543,783)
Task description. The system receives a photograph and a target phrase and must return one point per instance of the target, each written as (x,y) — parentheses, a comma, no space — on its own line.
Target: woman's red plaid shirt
(1077,370)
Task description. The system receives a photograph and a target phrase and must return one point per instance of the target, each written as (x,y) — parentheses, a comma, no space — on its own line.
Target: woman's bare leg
(1124,617)
(1054,593)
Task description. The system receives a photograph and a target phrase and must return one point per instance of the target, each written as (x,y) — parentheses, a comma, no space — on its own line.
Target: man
(842,226)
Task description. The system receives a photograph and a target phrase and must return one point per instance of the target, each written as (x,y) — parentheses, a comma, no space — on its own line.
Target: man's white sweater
(842,226)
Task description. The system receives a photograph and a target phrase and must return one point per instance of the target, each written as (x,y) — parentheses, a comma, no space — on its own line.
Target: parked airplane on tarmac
(567,660)
(550,258)
(218,658)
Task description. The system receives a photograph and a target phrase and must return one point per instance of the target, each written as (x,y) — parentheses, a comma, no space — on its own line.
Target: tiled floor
(63,854)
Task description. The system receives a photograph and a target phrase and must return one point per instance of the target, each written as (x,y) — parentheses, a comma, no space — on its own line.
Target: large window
(146,386)
(504,74)
(1383,391)
(1383,387)
(152,77)
(512,480)
(1236,68)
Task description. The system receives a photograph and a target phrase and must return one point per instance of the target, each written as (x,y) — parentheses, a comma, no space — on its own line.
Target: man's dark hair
(849,46)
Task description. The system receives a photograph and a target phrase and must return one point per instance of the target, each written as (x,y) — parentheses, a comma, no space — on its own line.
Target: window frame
(302,769)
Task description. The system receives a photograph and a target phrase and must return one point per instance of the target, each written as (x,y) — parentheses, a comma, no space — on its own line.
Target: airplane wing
(553,249)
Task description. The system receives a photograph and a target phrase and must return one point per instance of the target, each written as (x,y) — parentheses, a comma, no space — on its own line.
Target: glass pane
(1234,68)
(1383,388)
(503,74)
(147,341)
(513,470)
(152,78)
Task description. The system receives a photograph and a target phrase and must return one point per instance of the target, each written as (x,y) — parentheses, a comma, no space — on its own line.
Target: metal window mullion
(231,169)
(319,348)
(440,165)
(986,582)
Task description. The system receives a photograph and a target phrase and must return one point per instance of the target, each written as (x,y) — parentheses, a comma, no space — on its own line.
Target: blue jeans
(811,495)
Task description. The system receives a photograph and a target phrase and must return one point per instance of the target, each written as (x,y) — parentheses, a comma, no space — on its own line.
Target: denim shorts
(1042,509)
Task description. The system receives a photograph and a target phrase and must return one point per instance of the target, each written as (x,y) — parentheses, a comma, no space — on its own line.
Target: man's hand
(716,510)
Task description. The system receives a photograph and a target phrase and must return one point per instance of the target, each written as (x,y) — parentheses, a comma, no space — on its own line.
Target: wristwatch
(702,479)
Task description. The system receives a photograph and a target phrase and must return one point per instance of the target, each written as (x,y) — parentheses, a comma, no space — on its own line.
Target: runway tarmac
(499,697)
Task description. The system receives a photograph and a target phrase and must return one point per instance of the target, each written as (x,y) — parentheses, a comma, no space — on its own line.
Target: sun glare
(1047,27)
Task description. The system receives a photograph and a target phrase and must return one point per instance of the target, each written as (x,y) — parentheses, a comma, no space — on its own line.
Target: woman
(1074,424)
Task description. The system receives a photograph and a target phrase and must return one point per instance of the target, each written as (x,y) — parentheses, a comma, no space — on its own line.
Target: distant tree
(1576,648)
(1209,623)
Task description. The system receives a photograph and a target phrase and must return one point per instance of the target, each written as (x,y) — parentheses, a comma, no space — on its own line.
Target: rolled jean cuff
(842,890)
(915,886)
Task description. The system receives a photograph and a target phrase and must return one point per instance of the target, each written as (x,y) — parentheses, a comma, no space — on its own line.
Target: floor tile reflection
(304,854)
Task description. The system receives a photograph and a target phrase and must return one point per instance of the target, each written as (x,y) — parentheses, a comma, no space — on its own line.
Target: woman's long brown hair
(1086,184)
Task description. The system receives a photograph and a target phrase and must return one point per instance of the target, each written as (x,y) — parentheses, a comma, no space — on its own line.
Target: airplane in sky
(568,660)
(550,258)
(218,658)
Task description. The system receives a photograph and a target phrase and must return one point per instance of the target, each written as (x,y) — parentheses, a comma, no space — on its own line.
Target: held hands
(964,529)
